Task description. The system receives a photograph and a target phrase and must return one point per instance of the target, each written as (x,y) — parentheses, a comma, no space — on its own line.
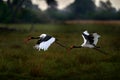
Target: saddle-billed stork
(90,41)
(44,42)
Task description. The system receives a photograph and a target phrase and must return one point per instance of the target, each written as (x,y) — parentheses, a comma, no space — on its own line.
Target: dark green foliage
(51,3)
(106,11)
(23,11)
(15,12)
(83,6)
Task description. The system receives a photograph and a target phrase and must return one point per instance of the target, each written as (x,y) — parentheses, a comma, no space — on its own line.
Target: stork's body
(90,40)
(44,42)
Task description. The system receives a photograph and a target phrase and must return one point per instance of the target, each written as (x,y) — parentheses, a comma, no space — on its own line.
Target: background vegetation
(19,61)
(23,11)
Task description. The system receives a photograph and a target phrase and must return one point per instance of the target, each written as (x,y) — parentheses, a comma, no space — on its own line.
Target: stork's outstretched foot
(96,46)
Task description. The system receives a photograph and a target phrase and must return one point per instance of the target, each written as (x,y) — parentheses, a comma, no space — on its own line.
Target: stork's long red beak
(70,48)
(26,40)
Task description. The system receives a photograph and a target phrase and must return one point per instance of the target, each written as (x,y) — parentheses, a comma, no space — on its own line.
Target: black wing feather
(89,38)
(43,39)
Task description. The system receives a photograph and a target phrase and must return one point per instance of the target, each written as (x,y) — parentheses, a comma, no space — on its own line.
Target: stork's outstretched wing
(84,40)
(86,32)
(96,36)
(44,45)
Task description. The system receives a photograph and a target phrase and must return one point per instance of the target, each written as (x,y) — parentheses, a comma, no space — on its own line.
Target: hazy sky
(63,3)
(115,3)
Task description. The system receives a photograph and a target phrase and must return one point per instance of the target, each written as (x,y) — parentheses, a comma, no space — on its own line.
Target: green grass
(19,61)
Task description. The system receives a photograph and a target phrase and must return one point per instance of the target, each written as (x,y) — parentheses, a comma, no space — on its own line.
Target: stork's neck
(35,37)
(77,46)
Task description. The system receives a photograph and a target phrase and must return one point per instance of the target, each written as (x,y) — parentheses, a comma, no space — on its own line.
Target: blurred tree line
(17,11)
(23,11)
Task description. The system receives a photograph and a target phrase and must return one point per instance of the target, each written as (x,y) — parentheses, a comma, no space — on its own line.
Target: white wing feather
(45,45)
(85,41)
(86,32)
(96,36)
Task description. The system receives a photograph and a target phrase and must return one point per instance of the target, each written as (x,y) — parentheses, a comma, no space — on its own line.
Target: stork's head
(71,47)
(26,40)
(43,35)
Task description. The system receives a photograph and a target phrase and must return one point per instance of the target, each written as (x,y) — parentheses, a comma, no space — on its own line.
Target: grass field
(19,61)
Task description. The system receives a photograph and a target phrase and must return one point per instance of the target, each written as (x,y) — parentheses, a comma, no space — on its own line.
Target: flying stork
(44,42)
(90,41)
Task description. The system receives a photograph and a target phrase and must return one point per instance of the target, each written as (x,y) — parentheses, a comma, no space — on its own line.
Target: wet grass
(19,61)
